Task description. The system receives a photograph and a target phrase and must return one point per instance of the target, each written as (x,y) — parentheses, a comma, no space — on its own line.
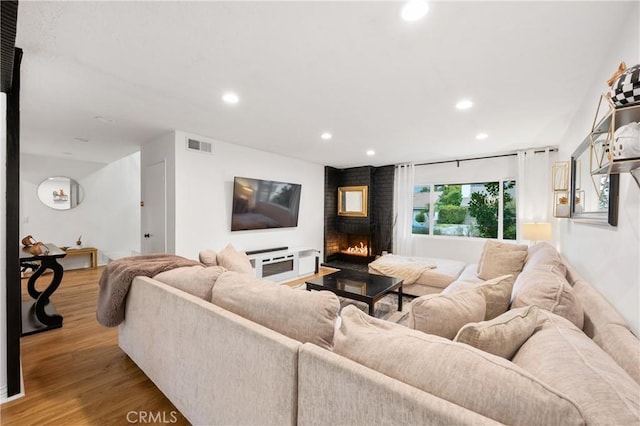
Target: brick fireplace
(358,240)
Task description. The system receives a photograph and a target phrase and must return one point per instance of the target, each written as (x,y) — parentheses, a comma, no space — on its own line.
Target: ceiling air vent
(196,145)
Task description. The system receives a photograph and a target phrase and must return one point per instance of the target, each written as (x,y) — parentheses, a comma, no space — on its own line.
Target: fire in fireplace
(356,245)
(361,249)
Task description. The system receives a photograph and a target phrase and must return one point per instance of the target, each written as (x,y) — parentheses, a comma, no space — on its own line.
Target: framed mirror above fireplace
(352,201)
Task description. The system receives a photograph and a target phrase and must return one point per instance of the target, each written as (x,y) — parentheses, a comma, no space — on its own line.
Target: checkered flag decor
(625,90)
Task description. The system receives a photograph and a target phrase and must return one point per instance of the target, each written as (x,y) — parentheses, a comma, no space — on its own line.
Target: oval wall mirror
(60,193)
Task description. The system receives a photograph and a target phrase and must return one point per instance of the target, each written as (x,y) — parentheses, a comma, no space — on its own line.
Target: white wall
(462,248)
(3,236)
(108,217)
(203,196)
(608,257)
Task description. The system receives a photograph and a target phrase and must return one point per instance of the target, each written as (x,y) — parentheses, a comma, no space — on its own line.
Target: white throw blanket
(401,267)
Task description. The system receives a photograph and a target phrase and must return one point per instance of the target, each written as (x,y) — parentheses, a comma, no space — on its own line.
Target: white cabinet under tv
(286,264)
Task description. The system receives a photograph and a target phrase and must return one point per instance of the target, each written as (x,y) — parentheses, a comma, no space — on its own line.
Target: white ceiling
(354,69)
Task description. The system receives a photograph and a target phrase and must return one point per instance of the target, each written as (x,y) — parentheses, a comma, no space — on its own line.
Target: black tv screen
(263,204)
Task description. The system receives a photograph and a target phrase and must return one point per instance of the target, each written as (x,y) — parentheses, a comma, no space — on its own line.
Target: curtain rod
(481,158)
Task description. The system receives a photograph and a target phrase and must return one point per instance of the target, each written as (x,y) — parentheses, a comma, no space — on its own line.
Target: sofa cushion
(550,291)
(444,314)
(499,246)
(544,256)
(497,293)
(562,356)
(197,280)
(208,257)
(306,316)
(461,374)
(234,260)
(503,335)
(501,259)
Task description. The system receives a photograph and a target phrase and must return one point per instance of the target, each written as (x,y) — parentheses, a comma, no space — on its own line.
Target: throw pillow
(548,290)
(234,260)
(498,261)
(497,295)
(461,374)
(499,246)
(208,257)
(196,280)
(444,314)
(306,316)
(503,335)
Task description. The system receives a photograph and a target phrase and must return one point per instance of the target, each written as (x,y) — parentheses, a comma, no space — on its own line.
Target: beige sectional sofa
(218,367)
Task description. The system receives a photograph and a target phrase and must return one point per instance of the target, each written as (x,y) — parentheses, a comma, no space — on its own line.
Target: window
(484,210)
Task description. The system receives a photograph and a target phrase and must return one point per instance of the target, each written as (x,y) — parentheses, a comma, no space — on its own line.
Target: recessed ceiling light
(481,136)
(103,119)
(230,98)
(326,136)
(371,152)
(464,104)
(414,10)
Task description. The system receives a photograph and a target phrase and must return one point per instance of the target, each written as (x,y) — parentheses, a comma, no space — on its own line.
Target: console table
(92,251)
(41,315)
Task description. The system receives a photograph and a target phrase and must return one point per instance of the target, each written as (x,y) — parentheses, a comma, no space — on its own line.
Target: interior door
(154,209)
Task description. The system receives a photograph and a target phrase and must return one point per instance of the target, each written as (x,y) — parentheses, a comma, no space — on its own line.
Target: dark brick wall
(383,184)
(332,238)
(378,224)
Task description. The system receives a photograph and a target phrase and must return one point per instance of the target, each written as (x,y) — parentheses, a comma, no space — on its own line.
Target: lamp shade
(539,231)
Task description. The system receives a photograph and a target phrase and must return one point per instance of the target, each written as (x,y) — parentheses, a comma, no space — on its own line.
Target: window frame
(433,200)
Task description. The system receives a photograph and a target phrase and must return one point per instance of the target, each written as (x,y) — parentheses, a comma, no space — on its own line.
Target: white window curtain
(533,187)
(403,209)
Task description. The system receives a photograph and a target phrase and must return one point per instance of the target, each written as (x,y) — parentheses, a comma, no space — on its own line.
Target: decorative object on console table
(536,231)
(34,247)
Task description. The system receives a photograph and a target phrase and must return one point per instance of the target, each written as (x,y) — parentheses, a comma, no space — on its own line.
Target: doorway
(154,209)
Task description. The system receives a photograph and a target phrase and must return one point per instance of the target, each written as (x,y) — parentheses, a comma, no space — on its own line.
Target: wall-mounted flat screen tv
(263,204)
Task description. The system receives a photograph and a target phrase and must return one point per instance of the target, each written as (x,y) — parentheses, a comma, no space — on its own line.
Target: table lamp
(536,231)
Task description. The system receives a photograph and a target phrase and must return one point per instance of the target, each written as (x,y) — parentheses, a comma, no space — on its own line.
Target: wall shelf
(602,139)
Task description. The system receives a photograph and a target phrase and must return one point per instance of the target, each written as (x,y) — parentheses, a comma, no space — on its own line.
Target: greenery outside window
(483,210)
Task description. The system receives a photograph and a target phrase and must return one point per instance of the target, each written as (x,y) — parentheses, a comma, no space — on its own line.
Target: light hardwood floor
(77,374)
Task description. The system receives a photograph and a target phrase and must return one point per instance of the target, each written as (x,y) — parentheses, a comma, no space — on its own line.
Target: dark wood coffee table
(356,285)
